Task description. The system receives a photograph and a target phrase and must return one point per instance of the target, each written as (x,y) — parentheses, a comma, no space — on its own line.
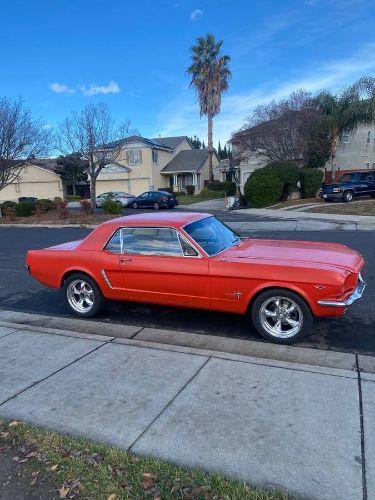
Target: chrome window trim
(179,234)
(203,218)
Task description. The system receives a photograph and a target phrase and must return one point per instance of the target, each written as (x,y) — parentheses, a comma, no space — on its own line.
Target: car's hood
(330,254)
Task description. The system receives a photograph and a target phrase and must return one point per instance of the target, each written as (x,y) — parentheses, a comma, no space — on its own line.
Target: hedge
(228,187)
(25,208)
(190,188)
(263,188)
(45,205)
(211,194)
(311,180)
(111,207)
(289,174)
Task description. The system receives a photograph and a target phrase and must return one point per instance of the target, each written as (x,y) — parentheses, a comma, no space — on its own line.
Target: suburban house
(142,165)
(163,162)
(246,161)
(37,179)
(355,151)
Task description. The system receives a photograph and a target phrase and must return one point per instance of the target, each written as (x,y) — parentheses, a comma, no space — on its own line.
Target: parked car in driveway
(349,186)
(155,199)
(120,197)
(193,260)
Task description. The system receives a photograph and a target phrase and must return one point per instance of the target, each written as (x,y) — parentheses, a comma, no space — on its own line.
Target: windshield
(212,235)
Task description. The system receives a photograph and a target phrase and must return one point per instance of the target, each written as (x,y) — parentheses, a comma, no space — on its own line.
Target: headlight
(336,190)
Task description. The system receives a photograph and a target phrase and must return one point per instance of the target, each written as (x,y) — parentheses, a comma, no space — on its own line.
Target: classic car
(155,200)
(194,260)
(350,185)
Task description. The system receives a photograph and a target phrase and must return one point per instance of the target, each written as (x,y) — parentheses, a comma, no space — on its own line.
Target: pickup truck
(350,186)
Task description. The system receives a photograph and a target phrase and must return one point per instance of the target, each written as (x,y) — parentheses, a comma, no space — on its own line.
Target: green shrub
(45,205)
(211,194)
(25,208)
(311,180)
(263,188)
(8,204)
(190,188)
(111,207)
(289,174)
(228,187)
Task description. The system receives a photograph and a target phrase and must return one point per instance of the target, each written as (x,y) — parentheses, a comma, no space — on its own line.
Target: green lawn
(82,469)
(186,199)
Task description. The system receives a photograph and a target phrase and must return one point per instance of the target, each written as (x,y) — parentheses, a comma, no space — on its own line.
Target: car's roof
(177,219)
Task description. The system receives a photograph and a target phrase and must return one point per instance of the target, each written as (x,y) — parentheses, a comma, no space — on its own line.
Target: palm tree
(342,113)
(209,73)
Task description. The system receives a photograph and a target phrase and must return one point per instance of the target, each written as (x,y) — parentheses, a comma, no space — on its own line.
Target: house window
(367,164)
(345,138)
(369,137)
(133,156)
(373,165)
(155,155)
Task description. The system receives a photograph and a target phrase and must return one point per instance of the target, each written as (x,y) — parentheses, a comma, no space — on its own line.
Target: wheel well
(74,271)
(256,295)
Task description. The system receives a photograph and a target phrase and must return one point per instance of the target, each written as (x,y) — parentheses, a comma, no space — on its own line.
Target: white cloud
(196,14)
(61,88)
(111,88)
(181,116)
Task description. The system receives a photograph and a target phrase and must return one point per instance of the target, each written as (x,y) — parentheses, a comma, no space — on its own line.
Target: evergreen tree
(196,142)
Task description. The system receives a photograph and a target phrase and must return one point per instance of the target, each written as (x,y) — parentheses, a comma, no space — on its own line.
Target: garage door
(139,186)
(105,186)
(41,189)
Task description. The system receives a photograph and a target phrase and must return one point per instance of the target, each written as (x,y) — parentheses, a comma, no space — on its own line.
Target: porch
(179,181)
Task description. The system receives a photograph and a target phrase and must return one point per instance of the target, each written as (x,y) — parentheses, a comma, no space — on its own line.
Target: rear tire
(83,296)
(281,316)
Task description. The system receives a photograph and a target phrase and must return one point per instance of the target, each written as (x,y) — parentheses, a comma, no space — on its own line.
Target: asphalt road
(355,332)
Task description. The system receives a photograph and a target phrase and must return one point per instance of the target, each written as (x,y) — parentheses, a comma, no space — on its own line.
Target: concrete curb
(290,214)
(52,226)
(195,343)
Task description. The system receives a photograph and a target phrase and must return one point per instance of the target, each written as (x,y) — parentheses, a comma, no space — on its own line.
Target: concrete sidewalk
(293,426)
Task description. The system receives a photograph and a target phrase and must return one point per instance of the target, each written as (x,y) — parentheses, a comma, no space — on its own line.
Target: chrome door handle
(124,261)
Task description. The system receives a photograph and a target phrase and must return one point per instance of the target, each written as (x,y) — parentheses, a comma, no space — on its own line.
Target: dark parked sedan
(156,200)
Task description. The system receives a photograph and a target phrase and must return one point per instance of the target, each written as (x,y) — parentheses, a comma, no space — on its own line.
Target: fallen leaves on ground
(148,480)
(70,489)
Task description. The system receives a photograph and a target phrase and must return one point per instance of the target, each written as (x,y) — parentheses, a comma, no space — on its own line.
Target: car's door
(363,187)
(143,200)
(159,268)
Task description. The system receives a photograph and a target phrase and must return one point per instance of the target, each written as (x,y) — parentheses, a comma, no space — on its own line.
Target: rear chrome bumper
(357,294)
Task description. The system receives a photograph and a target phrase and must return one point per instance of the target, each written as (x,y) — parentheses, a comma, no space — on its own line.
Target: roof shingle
(187,161)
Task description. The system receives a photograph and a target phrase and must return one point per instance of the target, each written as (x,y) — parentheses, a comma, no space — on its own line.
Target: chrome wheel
(281,317)
(80,296)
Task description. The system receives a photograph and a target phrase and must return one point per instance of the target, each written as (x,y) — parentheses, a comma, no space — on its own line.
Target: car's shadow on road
(350,333)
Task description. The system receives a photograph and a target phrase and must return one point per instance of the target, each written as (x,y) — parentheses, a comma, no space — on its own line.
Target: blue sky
(62,54)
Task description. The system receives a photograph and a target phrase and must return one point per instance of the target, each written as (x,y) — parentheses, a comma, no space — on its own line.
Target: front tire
(134,205)
(156,205)
(281,316)
(83,296)
(347,197)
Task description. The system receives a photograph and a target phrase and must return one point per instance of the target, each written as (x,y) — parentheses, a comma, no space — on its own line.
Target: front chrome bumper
(357,294)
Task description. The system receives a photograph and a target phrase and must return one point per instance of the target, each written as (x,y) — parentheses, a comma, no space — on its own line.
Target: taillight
(350,282)
(164,198)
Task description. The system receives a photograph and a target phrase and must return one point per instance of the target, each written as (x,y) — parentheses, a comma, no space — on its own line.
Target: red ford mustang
(193,260)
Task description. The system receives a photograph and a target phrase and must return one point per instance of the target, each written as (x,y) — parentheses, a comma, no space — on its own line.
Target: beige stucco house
(355,151)
(37,179)
(147,164)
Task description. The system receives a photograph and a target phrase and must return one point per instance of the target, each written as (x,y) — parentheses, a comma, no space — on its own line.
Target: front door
(156,269)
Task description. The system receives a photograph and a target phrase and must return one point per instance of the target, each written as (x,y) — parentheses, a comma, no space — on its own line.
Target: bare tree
(94,135)
(21,138)
(279,130)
